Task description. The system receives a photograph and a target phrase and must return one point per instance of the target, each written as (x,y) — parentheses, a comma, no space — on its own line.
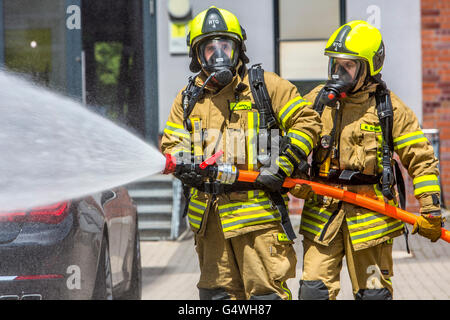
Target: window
(303,30)
(34,35)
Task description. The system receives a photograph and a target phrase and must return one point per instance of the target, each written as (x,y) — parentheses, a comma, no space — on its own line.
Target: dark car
(81,249)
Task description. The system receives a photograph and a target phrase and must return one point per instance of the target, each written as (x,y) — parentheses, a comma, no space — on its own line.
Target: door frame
(73,54)
(2,37)
(151,104)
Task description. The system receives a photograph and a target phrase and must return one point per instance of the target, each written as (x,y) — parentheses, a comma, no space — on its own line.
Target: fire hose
(229,174)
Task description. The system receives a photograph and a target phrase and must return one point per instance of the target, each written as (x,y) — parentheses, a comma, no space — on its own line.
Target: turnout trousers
(369,269)
(253,265)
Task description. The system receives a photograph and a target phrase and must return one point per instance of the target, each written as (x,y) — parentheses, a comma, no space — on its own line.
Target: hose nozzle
(171,164)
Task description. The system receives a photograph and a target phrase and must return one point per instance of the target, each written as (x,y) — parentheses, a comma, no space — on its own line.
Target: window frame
(277,40)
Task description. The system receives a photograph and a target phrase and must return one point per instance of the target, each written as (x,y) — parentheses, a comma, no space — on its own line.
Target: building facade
(128,59)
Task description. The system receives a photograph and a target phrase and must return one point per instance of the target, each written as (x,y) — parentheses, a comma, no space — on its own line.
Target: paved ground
(170,269)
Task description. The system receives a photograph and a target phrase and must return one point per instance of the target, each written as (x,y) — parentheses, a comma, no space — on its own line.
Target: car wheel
(135,290)
(103,283)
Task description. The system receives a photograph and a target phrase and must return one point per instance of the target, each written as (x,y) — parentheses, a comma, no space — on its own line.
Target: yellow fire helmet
(214,22)
(358,40)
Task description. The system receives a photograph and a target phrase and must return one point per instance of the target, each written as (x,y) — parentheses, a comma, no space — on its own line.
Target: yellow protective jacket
(359,138)
(229,122)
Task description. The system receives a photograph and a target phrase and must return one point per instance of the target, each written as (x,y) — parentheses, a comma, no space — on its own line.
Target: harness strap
(267,121)
(261,96)
(278,201)
(266,117)
(349,177)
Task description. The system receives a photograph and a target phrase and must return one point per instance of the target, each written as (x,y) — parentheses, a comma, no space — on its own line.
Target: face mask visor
(218,53)
(345,71)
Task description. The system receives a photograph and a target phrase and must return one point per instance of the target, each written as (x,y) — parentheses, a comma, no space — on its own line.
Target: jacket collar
(362,95)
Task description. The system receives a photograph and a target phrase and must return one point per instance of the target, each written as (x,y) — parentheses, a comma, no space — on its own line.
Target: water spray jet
(53,148)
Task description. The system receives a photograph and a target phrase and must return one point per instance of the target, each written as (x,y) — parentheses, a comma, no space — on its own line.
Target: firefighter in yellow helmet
(242,232)
(363,124)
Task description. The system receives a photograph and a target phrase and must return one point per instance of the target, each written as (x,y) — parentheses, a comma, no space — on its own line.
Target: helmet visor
(344,70)
(218,52)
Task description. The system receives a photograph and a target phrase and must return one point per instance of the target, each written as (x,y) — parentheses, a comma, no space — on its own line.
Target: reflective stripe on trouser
(369,269)
(366,227)
(196,210)
(252,265)
(256,210)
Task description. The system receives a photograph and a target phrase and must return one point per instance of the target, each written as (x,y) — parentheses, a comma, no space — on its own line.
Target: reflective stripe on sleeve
(285,165)
(288,110)
(301,140)
(427,183)
(409,139)
(176,129)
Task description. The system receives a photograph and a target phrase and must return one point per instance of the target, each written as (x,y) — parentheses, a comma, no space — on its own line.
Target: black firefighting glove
(270,178)
(185,172)
(191,179)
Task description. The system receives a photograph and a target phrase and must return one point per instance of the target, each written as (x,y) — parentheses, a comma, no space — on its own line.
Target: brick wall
(435,16)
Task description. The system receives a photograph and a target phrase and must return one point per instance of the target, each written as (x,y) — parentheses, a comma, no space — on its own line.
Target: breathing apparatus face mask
(219,55)
(343,76)
(345,71)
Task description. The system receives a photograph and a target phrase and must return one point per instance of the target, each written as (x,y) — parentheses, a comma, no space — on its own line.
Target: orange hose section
(347,196)
(247,176)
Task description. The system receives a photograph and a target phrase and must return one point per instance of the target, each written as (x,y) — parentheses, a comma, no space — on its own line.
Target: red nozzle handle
(171,164)
(211,160)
